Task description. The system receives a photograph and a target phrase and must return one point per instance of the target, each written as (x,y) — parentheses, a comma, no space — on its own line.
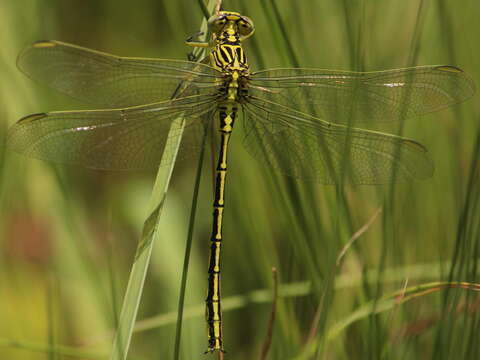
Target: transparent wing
(379,96)
(123,139)
(114,81)
(306,147)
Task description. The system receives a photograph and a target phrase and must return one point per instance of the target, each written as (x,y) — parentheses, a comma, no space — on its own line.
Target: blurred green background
(68,235)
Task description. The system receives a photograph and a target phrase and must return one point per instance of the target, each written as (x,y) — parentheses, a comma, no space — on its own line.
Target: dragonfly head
(231,26)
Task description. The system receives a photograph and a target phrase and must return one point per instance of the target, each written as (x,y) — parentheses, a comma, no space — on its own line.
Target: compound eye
(216,24)
(245,26)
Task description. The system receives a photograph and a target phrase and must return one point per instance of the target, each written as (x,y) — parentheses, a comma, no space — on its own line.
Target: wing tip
(31,117)
(449,68)
(414,145)
(40,44)
(427,168)
(469,84)
(18,127)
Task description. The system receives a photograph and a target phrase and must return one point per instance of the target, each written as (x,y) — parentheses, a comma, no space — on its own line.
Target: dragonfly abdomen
(226,113)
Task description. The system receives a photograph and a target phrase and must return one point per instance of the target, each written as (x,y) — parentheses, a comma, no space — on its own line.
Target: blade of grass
(136,281)
(50,318)
(357,234)
(188,248)
(204,9)
(268,339)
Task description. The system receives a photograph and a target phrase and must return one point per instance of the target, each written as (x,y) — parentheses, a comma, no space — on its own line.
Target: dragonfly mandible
(141,97)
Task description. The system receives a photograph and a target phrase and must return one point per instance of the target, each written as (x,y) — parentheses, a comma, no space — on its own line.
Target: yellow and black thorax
(227,55)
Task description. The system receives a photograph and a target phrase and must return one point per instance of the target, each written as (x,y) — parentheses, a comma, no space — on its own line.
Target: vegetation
(404,285)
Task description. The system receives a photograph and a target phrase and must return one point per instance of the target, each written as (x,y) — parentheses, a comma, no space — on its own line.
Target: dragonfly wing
(121,139)
(348,97)
(306,147)
(107,80)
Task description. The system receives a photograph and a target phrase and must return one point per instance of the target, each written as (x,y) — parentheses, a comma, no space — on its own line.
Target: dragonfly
(299,121)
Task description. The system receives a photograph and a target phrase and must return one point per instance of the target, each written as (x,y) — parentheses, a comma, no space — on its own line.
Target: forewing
(123,139)
(349,97)
(113,81)
(306,147)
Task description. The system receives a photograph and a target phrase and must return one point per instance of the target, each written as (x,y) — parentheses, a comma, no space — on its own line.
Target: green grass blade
(188,248)
(142,258)
(136,281)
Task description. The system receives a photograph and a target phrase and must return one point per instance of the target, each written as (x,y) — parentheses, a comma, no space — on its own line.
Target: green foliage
(68,235)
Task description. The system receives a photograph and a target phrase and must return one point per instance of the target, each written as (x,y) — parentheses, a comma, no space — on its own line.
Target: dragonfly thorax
(229,30)
(228,57)
(232,62)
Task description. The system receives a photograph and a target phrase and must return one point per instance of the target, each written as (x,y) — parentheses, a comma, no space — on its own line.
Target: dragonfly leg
(195,42)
